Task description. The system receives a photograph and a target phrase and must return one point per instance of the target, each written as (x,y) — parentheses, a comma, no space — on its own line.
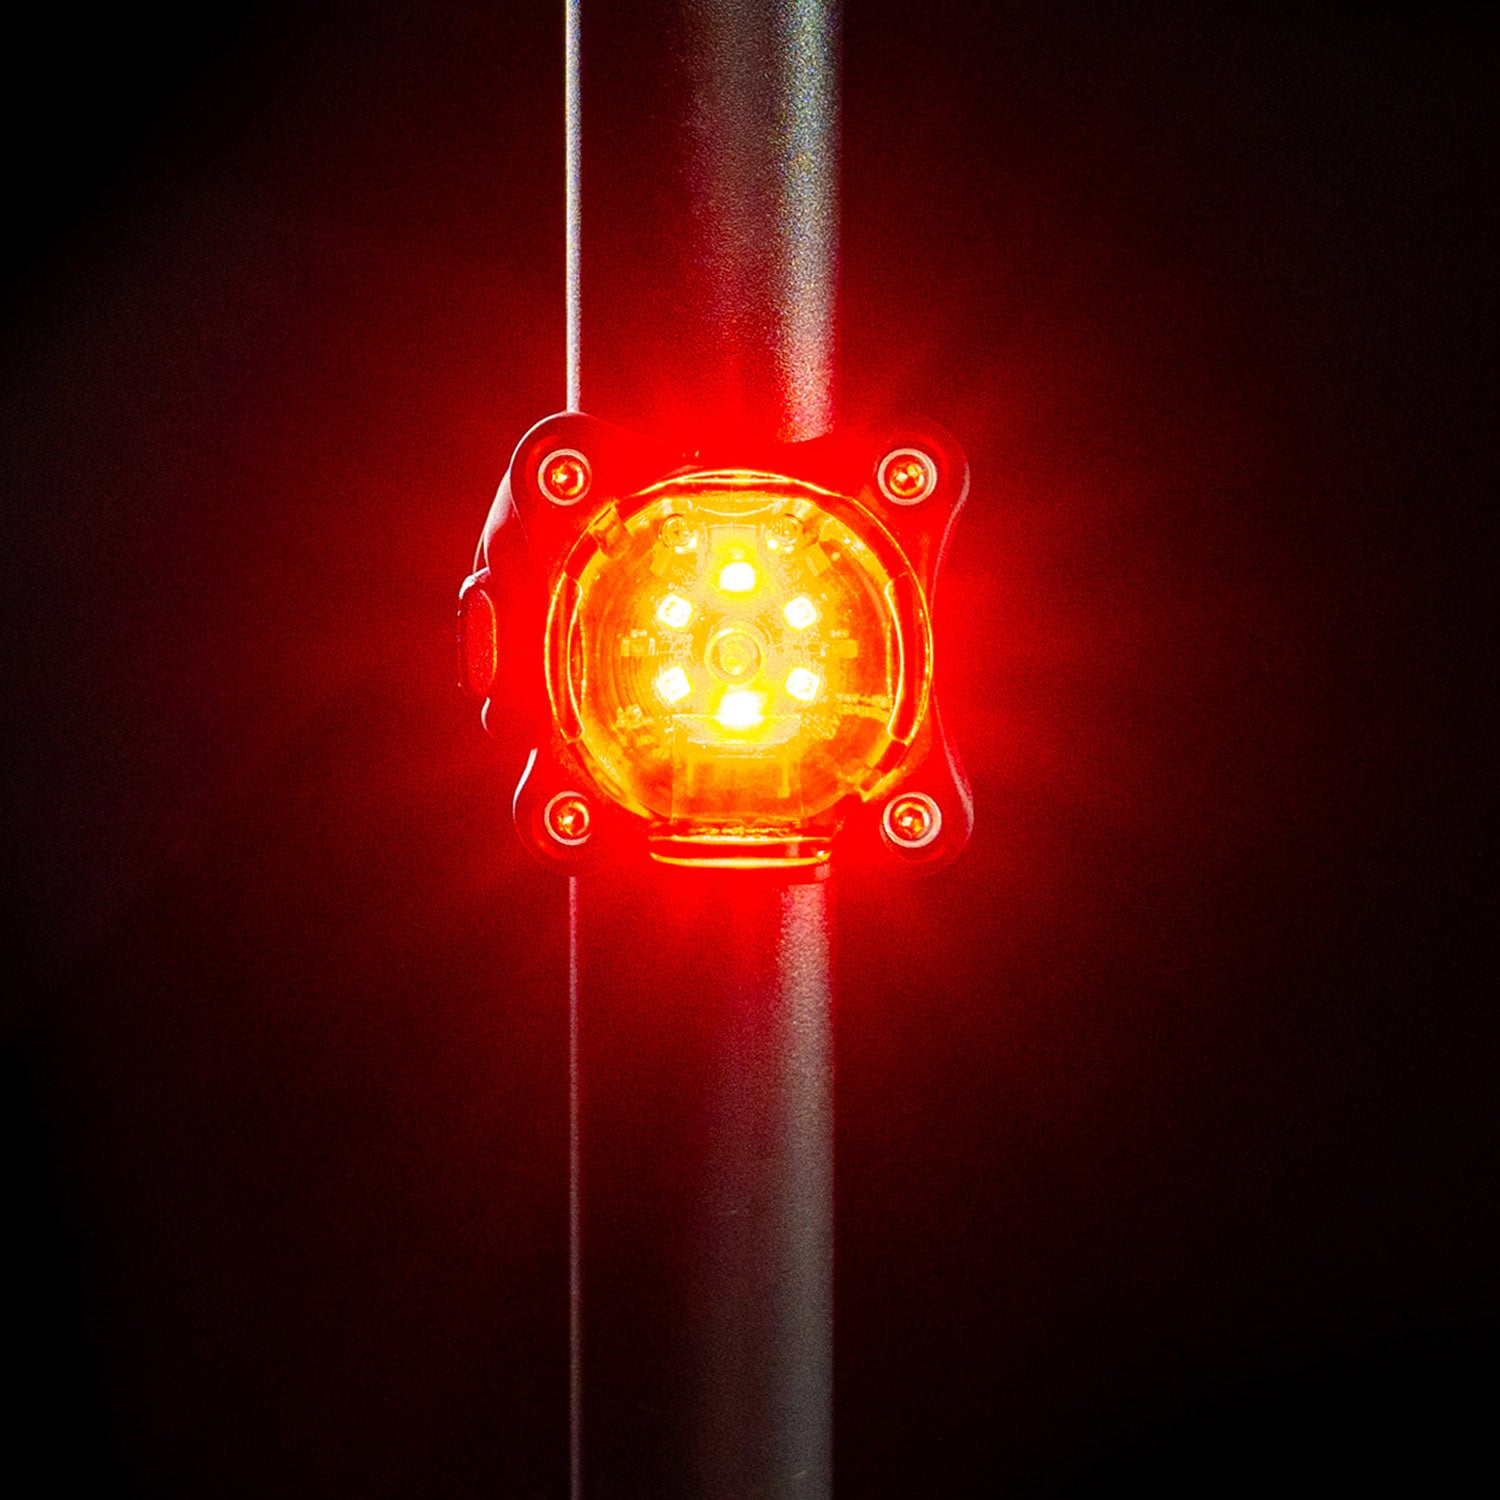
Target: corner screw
(568,819)
(911,820)
(564,476)
(907,476)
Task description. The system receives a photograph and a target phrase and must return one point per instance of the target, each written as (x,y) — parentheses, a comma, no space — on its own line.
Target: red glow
(1177,1081)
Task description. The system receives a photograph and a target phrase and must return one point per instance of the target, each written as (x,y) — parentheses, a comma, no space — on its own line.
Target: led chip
(737,578)
(803,683)
(800,612)
(673,685)
(741,709)
(674,611)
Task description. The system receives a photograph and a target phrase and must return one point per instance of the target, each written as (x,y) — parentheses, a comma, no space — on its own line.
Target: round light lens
(731,654)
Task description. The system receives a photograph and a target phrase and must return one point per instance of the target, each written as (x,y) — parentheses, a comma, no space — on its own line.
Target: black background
(1166,1116)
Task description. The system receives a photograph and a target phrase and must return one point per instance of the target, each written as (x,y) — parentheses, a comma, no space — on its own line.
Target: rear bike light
(733,664)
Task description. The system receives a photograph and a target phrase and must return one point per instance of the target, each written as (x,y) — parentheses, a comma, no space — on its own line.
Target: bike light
(733,660)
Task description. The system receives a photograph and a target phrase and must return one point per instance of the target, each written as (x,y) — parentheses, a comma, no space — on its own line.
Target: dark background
(1166,1116)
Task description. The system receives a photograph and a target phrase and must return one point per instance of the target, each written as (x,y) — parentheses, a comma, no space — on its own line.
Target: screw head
(564,476)
(783,534)
(911,820)
(675,532)
(568,819)
(906,476)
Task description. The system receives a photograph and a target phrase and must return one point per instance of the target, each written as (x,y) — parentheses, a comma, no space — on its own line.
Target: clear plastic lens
(675,532)
(735,653)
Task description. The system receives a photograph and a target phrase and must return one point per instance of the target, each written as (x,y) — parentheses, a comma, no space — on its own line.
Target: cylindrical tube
(705,1187)
(703,272)
(706,278)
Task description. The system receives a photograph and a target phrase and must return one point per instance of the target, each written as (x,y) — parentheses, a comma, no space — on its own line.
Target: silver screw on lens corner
(568,820)
(564,476)
(911,820)
(906,476)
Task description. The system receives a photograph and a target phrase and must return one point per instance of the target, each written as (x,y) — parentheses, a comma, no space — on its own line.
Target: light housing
(726,657)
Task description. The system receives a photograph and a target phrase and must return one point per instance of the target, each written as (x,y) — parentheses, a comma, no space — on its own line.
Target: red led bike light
(736,661)
(675,674)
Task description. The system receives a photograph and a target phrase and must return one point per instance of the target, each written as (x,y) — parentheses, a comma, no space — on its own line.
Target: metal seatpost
(702,232)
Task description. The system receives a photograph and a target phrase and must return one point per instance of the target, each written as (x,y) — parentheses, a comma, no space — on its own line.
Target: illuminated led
(803,683)
(674,611)
(673,684)
(737,578)
(740,709)
(800,612)
(564,476)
